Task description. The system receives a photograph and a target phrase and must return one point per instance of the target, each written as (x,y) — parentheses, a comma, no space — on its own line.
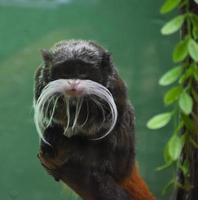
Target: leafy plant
(181,95)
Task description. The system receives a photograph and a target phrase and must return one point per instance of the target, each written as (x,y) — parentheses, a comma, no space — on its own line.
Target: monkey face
(76,95)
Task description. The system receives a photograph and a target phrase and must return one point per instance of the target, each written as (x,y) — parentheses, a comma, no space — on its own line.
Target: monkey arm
(89,184)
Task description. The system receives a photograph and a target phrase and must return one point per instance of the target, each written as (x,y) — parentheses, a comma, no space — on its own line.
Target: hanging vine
(181,96)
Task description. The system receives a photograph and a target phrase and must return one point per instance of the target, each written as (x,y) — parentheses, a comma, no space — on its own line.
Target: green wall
(129,29)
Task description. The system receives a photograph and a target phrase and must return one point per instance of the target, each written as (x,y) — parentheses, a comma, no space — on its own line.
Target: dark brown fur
(93,169)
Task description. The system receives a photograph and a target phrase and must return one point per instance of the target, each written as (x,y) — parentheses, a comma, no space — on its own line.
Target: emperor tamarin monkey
(86,123)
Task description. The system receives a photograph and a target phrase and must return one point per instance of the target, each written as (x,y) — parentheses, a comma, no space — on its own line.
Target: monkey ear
(47,57)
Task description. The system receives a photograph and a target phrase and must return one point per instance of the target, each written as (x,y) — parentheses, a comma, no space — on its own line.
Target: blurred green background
(130,29)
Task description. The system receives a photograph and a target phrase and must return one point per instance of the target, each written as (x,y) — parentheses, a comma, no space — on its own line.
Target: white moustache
(67,88)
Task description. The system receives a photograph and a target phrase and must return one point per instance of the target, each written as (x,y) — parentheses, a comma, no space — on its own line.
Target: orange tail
(136,186)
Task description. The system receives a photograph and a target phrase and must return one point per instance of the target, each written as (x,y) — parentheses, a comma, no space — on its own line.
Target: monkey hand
(52,155)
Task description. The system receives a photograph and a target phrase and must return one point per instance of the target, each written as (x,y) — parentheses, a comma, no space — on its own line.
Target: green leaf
(170,76)
(196,1)
(159,120)
(196,76)
(193,49)
(165,166)
(181,51)
(173,25)
(195,95)
(185,102)
(184,167)
(169,5)
(166,153)
(189,124)
(194,20)
(195,32)
(195,71)
(168,186)
(175,145)
(172,95)
(186,75)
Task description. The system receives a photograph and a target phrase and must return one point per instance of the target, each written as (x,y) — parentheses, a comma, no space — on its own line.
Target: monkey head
(78,88)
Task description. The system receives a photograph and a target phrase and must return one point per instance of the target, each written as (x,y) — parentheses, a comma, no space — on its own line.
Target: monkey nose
(73,83)
(74,89)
